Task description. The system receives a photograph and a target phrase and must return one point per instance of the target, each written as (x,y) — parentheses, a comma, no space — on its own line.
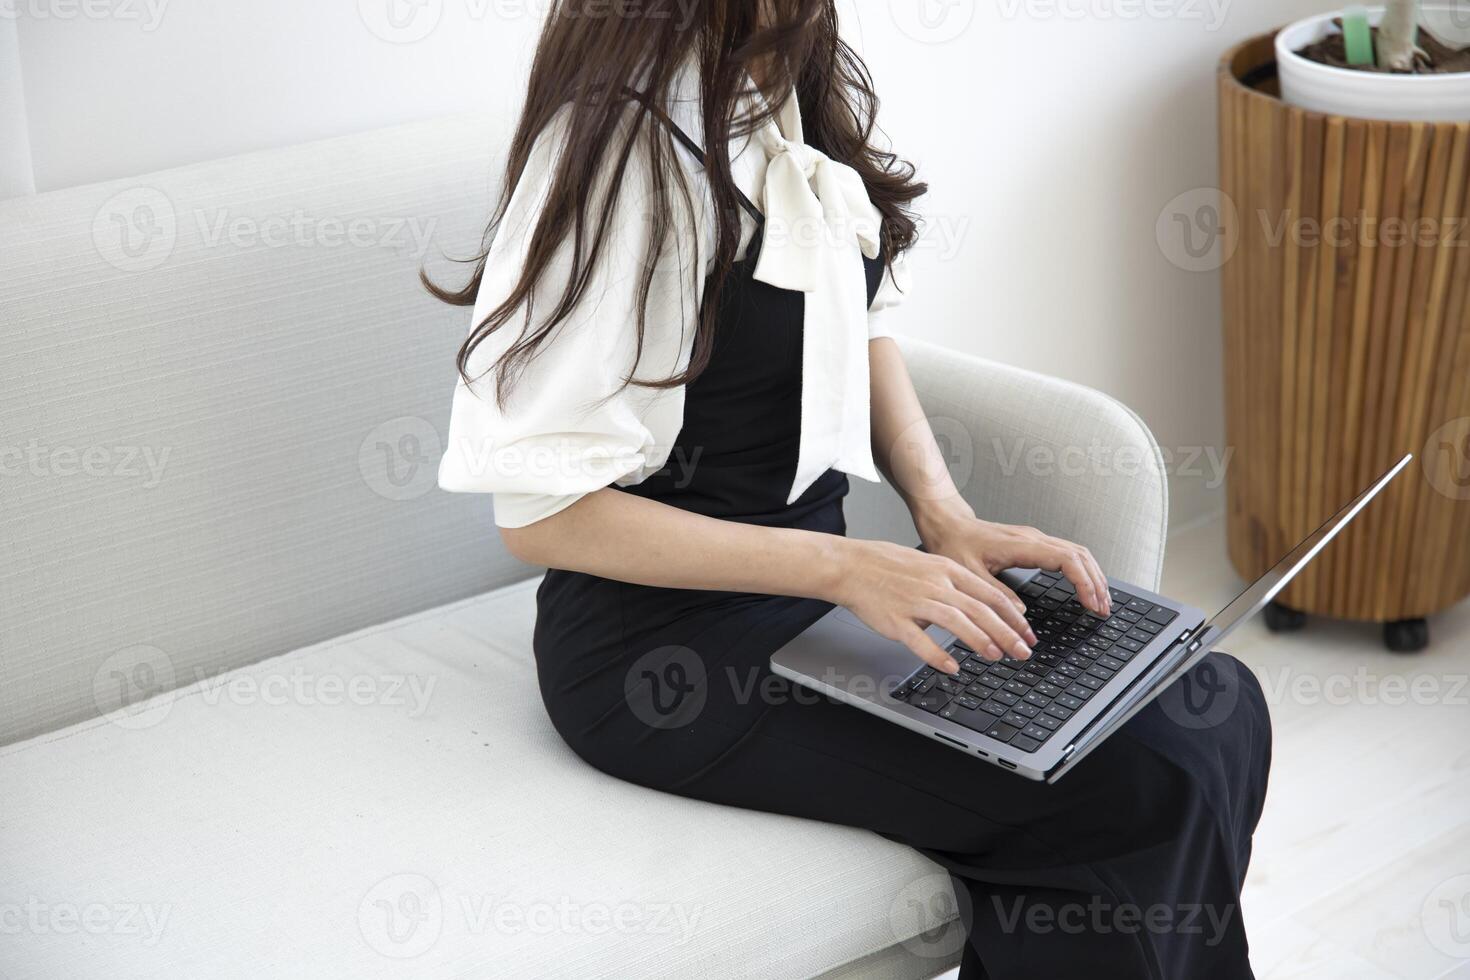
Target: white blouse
(569,427)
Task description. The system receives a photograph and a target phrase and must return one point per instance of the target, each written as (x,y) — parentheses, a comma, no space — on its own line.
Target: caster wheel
(1284,619)
(1406,635)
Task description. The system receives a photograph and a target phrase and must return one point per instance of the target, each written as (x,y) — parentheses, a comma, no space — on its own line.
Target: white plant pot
(1367,94)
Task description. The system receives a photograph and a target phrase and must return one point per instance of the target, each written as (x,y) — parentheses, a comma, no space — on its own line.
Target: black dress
(1129,867)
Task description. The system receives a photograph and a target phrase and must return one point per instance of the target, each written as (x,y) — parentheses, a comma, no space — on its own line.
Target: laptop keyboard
(1022,702)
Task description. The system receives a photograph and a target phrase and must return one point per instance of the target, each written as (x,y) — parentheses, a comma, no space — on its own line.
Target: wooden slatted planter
(1347,344)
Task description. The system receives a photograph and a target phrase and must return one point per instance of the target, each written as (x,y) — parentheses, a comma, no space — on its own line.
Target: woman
(678,359)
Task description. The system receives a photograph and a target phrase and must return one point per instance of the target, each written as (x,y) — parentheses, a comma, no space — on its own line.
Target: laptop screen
(1265,588)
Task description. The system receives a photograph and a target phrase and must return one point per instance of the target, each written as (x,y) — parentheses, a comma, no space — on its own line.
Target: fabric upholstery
(218,456)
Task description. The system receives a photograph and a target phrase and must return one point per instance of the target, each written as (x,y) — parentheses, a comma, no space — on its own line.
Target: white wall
(15,147)
(1053,133)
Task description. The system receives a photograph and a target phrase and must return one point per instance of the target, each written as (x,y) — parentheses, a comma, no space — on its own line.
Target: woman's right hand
(899,591)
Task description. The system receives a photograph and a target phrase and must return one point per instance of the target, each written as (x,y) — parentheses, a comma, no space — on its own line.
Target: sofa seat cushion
(395,804)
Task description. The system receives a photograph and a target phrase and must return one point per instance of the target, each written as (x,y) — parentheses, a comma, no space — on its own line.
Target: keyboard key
(968,701)
(933,701)
(1047,690)
(1066,701)
(925,685)
(949,685)
(1128,644)
(1037,732)
(1017,688)
(1005,698)
(1162,616)
(1002,732)
(1037,700)
(1025,744)
(1091,683)
(1101,673)
(1110,662)
(1059,711)
(1048,721)
(993,707)
(991,681)
(1026,710)
(1015,719)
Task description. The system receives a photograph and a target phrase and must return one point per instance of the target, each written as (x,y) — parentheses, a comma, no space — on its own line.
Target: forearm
(622,536)
(904,446)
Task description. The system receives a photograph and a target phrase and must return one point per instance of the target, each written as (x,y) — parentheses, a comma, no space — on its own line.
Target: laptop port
(951,741)
(1008,765)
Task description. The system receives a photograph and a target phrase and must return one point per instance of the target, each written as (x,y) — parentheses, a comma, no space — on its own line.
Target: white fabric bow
(819,226)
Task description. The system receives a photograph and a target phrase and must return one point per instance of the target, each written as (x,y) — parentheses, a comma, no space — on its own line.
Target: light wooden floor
(1362,862)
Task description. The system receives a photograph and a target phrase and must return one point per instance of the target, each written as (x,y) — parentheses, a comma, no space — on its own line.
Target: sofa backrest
(222,399)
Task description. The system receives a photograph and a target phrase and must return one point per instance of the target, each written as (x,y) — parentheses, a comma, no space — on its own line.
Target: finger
(995,596)
(987,617)
(946,616)
(1073,566)
(1102,584)
(924,647)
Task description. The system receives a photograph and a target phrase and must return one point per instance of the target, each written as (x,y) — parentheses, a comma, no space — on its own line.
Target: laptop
(1085,678)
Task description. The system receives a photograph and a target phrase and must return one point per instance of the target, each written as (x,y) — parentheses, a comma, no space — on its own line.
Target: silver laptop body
(842,657)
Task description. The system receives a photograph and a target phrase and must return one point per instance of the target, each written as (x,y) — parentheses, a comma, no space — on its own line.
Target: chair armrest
(1028,449)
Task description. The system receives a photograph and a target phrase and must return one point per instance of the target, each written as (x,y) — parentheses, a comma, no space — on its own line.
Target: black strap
(693,147)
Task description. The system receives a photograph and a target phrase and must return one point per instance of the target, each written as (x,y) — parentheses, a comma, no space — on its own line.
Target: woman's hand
(985,549)
(899,591)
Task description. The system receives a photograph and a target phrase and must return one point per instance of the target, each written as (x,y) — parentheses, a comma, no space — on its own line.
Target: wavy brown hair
(608,64)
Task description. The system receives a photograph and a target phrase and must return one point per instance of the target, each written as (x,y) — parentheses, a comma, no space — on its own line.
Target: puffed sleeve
(569,425)
(891,292)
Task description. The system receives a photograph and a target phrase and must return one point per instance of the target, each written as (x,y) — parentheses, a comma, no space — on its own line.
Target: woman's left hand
(987,549)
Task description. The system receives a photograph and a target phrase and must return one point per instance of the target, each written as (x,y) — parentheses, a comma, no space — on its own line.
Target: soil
(1441,59)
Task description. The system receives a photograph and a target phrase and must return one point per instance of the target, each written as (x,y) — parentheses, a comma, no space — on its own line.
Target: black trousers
(1130,867)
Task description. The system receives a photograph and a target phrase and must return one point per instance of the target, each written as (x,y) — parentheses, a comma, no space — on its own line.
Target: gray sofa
(267,701)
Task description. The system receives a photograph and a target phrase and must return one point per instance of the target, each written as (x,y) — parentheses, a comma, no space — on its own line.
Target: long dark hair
(587,62)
